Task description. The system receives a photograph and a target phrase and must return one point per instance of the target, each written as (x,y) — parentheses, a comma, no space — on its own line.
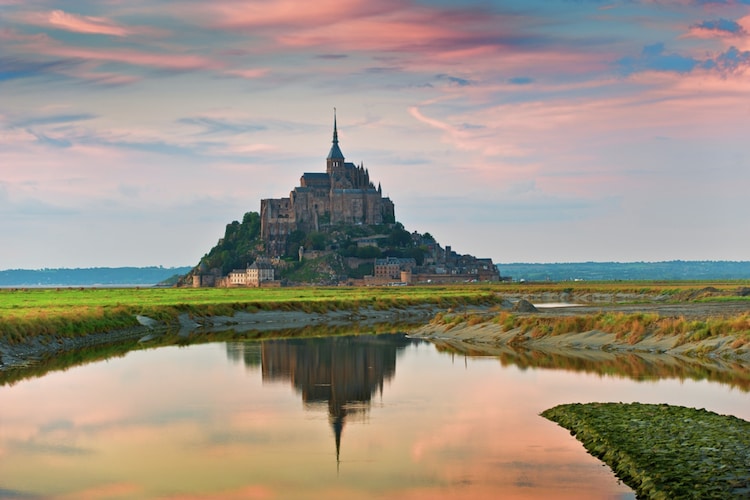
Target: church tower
(335,160)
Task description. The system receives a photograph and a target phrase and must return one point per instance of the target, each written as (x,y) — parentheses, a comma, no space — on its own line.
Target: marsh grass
(629,327)
(741,340)
(476,320)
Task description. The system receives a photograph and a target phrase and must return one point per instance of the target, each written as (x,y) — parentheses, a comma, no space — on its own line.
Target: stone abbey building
(343,194)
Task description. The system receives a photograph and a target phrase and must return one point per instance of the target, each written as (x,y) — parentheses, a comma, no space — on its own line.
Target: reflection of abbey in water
(342,373)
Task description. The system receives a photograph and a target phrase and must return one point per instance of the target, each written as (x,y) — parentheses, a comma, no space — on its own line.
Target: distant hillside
(106,276)
(612,271)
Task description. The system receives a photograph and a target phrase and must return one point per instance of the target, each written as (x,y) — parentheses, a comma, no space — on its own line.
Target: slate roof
(315,176)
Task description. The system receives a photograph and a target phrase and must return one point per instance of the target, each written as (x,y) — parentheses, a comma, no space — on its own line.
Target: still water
(342,417)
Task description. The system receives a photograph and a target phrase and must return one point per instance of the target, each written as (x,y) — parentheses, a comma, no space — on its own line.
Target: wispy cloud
(167,61)
(214,125)
(14,68)
(51,119)
(62,20)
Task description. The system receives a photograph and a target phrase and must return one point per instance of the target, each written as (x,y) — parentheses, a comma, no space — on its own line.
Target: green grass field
(86,310)
(34,302)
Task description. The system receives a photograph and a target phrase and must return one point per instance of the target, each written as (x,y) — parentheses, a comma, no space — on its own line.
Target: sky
(132,132)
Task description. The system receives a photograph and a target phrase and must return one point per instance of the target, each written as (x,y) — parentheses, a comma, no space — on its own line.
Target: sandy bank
(488,335)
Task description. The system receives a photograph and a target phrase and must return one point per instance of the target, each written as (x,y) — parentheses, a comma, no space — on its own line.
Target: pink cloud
(744,43)
(289,13)
(390,33)
(173,60)
(249,74)
(429,39)
(60,19)
(85,24)
(705,33)
(134,57)
(358,25)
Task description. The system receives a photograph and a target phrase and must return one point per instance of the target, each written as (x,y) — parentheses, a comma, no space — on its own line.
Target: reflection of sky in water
(413,423)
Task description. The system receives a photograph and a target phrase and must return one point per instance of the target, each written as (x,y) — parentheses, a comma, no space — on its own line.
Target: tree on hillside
(399,236)
(316,241)
(240,245)
(294,240)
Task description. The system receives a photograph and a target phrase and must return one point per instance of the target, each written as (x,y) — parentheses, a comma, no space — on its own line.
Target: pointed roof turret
(335,153)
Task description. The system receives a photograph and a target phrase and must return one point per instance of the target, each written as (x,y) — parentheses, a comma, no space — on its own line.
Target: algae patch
(664,451)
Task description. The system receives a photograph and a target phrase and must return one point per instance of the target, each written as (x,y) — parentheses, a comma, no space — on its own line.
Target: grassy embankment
(70,312)
(664,451)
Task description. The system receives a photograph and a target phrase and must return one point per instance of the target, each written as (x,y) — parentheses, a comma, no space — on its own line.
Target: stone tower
(335,159)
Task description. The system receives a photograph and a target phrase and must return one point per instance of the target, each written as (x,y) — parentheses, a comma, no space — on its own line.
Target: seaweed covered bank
(664,451)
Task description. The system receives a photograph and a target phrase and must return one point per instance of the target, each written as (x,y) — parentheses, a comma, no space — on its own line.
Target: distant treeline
(108,276)
(613,271)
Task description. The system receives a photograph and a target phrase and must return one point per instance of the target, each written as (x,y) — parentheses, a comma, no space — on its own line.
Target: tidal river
(354,417)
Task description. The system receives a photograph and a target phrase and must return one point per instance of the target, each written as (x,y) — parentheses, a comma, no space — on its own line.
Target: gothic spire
(335,129)
(335,153)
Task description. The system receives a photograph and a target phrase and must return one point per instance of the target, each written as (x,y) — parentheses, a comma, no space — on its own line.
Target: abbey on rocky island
(324,213)
(343,194)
